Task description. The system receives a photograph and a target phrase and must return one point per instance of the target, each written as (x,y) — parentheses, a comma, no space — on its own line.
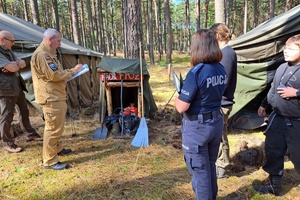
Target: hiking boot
(274,187)
(57,166)
(221,173)
(64,152)
(12,148)
(33,136)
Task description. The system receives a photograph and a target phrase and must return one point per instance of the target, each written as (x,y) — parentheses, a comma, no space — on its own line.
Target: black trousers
(282,134)
(7,108)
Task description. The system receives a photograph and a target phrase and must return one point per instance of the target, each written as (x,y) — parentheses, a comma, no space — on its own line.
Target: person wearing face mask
(11,94)
(49,83)
(282,132)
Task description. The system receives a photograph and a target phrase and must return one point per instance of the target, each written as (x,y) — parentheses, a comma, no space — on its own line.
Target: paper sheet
(85,68)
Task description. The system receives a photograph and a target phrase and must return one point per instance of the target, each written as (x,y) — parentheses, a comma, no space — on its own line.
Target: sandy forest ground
(113,169)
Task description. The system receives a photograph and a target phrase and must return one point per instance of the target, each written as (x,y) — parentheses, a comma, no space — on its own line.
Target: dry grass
(113,169)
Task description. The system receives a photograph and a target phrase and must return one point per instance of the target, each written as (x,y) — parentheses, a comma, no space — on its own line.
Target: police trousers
(200,143)
(282,134)
(55,115)
(7,109)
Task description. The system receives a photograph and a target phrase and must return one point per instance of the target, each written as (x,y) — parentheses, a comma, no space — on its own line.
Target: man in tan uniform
(49,85)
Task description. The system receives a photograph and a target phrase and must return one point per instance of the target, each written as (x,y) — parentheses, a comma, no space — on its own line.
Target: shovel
(141,138)
(101,133)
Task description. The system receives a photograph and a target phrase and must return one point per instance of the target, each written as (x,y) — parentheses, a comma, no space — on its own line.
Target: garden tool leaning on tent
(141,138)
(101,133)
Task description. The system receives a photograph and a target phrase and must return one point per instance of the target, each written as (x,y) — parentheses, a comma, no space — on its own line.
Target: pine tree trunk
(133,28)
(47,15)
(25,10)
(108,45)
(197,12)
(113,40)
(3,6)
(219,11)
(96,25)
(169,31)
(288,5)
(255,13)
(75,26)
(55,14)
(187,6)
(101,28)
(124,28)
(206,13)
(227,12)
(158,30)
(150,33)
(83,33)
(91,24)
(271,8)
(245,15)
(35,12)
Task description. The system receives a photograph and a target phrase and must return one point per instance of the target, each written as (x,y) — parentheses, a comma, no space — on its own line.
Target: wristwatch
(298,93)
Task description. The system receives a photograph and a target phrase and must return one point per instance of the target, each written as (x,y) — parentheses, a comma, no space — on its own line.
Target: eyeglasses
(12,41)
(290,49)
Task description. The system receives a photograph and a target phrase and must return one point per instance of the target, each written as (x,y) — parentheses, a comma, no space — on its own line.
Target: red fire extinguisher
(131,110)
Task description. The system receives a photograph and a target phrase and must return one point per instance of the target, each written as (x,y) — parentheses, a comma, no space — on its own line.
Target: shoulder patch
(52,66)
(47,57)
(197,67)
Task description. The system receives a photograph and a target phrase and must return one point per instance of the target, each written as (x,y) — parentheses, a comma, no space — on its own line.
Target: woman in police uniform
(200,103)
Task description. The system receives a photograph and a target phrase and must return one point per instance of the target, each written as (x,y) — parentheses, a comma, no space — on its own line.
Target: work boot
(57,166)
(64,152)
(33,136)
(12,148)
(274,187)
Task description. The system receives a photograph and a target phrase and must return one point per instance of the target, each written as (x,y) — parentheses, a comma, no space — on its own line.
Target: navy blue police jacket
(203,88)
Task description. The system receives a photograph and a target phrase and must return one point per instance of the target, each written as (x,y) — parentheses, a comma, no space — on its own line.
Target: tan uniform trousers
(55,115)
(223,156)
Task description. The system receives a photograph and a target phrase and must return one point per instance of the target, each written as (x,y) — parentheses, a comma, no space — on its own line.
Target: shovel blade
(100,133)
(141,137)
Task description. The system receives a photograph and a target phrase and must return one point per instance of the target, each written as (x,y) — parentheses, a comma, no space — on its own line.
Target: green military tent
(82,91)
(260,52)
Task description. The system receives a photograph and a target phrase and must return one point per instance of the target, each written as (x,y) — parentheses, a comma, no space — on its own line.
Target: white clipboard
(85,68)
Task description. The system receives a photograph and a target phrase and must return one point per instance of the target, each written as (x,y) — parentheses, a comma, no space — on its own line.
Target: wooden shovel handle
(142,86)
(103,102)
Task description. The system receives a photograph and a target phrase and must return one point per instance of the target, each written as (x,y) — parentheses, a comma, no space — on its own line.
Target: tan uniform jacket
(48,76)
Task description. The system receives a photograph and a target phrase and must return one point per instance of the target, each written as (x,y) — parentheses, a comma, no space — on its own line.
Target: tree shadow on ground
(158,186)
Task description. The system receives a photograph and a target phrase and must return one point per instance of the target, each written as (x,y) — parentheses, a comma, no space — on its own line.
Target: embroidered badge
(52,66)
(48,58)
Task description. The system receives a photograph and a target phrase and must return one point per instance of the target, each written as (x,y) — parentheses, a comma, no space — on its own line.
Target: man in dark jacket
(11,94)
